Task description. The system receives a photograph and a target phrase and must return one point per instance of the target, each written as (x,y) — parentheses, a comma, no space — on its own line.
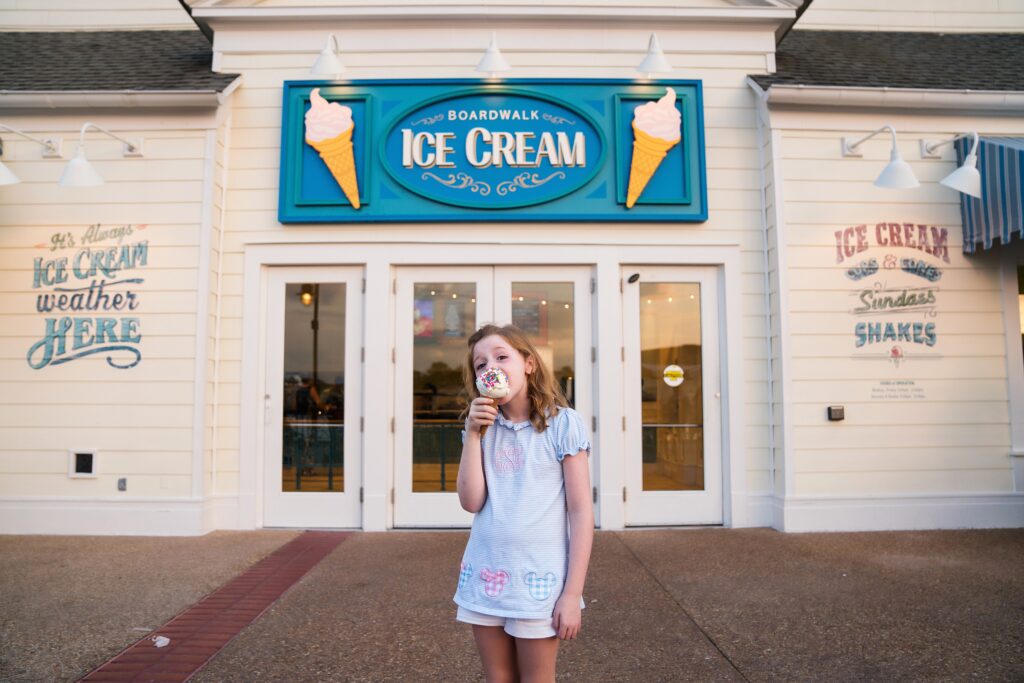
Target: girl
(524,473)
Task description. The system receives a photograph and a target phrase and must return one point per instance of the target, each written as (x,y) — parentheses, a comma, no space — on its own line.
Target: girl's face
(494,351)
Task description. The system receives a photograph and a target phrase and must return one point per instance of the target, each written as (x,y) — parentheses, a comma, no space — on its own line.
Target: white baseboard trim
(752,509)
(894,513)
(117,516)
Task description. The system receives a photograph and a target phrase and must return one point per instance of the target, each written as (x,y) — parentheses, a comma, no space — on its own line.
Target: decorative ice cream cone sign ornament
(656,130)
(329,129)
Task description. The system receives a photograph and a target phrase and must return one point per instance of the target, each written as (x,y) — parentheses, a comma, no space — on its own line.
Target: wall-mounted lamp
(492,61)
(897,175)
(51,148)
(327,65)
(80,173)
(966,178)
(654,62)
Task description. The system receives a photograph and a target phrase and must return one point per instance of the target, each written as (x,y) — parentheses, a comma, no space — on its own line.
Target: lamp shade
(79,172)
(493,60)
(7,176)
(328,64)
(965,179)
(897,175)
(654,62)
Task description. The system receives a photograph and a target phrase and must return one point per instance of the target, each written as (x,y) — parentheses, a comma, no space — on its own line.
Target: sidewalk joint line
(618,535)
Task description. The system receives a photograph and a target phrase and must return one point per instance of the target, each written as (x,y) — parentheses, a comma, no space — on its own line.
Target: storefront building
(258,319)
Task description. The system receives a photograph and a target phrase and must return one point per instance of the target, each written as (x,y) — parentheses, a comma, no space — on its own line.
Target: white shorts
(517,628)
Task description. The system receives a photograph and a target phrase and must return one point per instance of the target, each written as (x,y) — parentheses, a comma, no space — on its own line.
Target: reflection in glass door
(312,387)
(438,309)
(313,415)
(673,425)
(444,315)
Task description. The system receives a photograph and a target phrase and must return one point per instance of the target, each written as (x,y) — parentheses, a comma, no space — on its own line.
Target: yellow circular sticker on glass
(673,375)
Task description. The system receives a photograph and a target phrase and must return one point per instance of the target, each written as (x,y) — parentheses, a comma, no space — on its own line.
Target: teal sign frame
(510,150)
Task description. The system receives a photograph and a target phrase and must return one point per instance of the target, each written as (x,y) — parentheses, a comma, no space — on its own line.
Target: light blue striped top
(518,551)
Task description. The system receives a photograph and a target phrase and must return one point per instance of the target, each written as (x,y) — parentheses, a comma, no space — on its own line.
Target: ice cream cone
(337,154)
(648,151)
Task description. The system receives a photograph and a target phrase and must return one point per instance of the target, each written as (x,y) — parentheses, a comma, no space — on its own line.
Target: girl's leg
(536,659)
(498,653)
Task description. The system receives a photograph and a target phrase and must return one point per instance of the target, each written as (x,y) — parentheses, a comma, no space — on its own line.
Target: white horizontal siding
(950,431)
(139,419)
(947,16)
(95,15)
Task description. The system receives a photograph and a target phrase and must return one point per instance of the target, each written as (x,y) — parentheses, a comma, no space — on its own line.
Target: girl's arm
(580,506)
(471,484)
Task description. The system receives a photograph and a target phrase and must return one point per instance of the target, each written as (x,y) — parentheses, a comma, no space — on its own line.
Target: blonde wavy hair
(545,395)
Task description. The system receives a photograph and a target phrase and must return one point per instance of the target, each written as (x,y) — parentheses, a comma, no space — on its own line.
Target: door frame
(661,508)
(313,508)
(235,500)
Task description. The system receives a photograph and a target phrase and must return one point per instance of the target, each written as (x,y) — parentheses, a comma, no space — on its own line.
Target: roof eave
(116,99)
(850,97)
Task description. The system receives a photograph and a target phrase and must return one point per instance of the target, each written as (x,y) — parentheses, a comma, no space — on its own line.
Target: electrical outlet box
(122,484)
(836,413)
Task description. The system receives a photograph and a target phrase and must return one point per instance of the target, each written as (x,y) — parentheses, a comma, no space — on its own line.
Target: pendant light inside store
(654,62)
(79,172)
(327,65)
(897,174)
(493,61)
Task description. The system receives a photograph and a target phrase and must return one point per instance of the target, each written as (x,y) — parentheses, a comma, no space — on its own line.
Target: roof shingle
(879,59)
(108,60)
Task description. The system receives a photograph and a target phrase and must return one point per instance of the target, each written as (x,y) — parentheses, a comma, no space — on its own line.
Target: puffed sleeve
(570,436)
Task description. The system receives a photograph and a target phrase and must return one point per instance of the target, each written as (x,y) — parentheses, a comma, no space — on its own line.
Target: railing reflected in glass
(671,387)
(444,316)
(545,311)
(312,439)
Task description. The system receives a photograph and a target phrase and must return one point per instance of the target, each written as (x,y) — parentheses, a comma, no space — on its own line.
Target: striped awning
(999,214)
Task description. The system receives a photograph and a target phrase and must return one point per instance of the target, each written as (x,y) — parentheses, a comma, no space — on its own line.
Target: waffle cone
(337,154)
(648,151)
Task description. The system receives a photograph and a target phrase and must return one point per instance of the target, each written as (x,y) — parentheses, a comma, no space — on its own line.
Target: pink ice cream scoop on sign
(493,383)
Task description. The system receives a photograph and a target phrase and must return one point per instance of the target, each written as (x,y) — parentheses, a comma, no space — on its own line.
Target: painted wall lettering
(88,296)
(859,238)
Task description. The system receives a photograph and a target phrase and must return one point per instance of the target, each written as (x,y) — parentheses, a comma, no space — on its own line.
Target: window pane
(444,315)
(545,311)
(671,387)
(314,388)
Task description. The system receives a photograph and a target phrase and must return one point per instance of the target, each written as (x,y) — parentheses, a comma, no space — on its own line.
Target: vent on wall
(81,463)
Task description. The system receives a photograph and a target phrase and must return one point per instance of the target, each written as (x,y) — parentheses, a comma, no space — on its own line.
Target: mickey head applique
(540,586)
(494,582)
(465,572)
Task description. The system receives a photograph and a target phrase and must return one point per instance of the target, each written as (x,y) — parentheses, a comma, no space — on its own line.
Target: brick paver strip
(201,631)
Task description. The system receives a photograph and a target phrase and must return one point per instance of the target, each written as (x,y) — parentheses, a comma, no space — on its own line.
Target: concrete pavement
(662,605)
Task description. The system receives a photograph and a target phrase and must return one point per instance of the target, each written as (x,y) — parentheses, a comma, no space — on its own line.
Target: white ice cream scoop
(493,383)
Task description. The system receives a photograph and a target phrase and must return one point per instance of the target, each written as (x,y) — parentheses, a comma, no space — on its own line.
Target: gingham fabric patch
(540,586)
(494,582)
(465,572)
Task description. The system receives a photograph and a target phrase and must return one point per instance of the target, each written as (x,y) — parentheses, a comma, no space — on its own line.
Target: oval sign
(493,150)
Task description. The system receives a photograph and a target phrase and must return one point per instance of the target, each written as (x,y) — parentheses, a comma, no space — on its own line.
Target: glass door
(312,453)
(438,308)
(673,412)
